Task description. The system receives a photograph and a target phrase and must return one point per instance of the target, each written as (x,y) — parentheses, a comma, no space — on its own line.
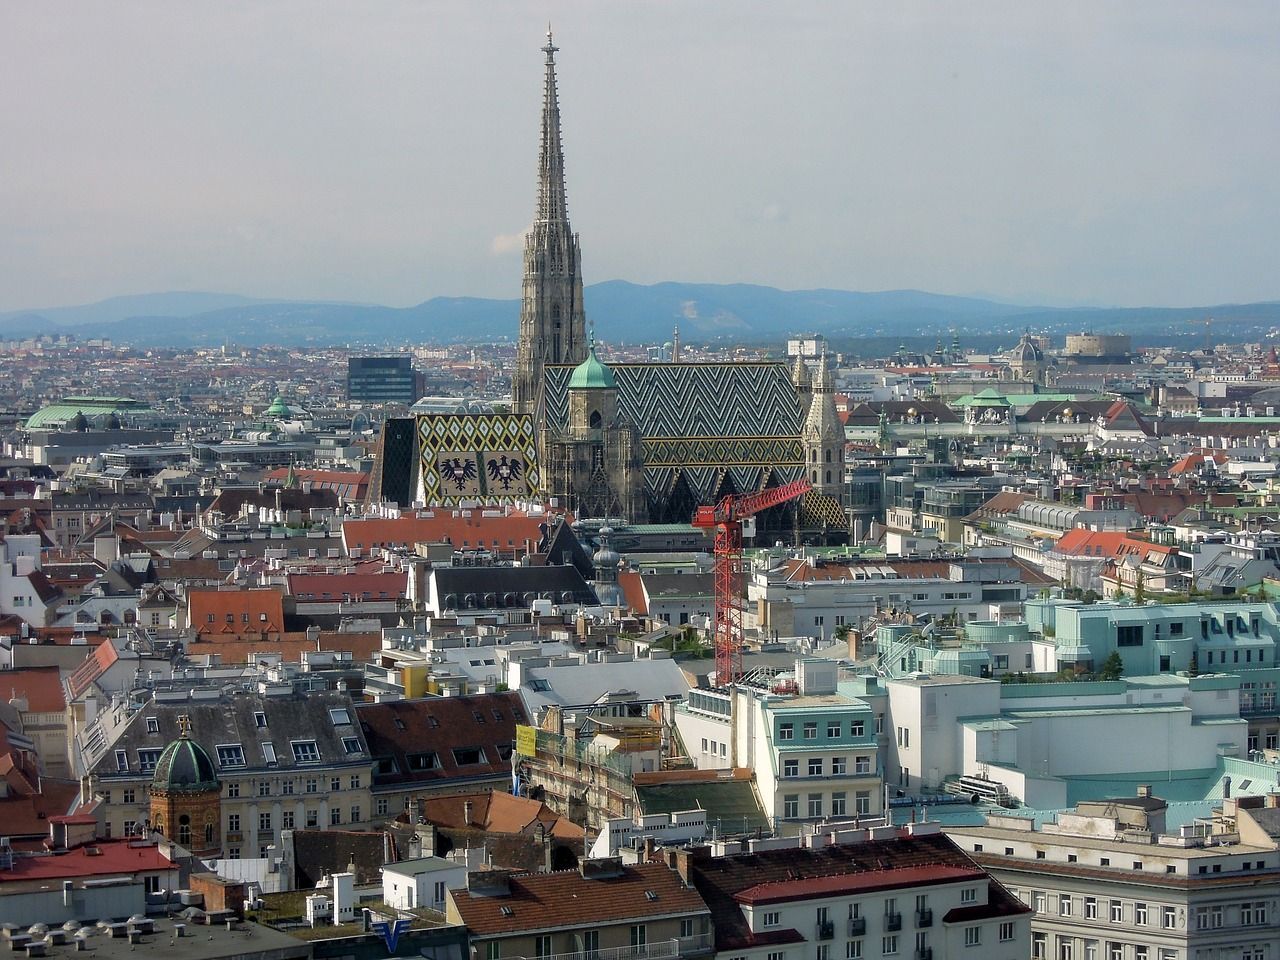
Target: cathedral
(641,442)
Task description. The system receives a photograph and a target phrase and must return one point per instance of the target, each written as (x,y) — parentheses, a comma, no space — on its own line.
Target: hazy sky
(1101,152)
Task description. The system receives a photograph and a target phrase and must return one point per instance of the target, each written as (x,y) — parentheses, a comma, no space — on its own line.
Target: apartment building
(855,895)
(1107,882)
(284,760)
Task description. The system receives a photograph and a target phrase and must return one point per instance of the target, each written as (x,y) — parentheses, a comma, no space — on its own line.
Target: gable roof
(321,853)
(41,687)
(251,611)
(514,531)
(91,669)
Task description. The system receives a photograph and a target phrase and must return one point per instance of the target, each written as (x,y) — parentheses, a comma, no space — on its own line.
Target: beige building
(286,761)
(1107,882)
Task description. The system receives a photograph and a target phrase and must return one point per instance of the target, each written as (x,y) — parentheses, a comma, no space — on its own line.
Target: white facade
(423,883)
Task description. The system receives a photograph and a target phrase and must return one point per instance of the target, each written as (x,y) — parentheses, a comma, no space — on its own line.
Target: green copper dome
(591,374)
(278,408)
(184,766)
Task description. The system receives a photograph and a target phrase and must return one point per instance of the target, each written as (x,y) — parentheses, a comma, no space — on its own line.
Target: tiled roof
(541,901)
(496,812)
(427,741)
(321,853)
(514,531)
(98,662)
(782,891)
(367,586)
(251,612)
(105,857)
(41,687)
(721,880)
(633,592)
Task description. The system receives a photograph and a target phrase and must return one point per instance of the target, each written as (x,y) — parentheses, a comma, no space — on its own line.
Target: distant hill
(626,312)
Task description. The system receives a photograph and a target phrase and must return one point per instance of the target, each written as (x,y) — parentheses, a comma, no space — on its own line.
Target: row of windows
(266,820)
(817,767)
(1091,908)
(835,729)
(815,806)
(1111,950)
(891,944)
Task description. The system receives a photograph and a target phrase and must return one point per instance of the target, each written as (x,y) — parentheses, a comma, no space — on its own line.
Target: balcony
(924,918)
(661,950)
(826,930)
(893,921)
(924,953)
(234,836)
(857,926)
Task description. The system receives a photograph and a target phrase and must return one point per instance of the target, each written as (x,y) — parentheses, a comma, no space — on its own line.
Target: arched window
(184,830)
(828,476)
(828,456)
(208,834)
(158,826)
(596,420)
(815,476)
(813,455)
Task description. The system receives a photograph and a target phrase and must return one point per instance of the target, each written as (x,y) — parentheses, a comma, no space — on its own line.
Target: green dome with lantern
(591,374)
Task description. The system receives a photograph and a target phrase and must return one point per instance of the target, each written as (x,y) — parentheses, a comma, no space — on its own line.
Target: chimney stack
(466,813)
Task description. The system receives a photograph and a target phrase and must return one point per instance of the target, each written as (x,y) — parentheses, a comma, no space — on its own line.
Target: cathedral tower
(823,435)
(552,321)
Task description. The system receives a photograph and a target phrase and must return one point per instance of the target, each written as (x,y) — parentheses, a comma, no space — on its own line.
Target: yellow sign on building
(526,741)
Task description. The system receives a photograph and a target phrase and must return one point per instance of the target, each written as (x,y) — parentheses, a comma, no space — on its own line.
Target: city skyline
(1044,156)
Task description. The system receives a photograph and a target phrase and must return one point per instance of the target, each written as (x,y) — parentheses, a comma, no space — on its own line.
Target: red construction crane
(726,517)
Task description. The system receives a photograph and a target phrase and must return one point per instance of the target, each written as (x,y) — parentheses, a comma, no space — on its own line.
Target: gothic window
(555,315)
(828,476)
(828,456)
(596,420)
(208,833)
(184,830)
(815,476)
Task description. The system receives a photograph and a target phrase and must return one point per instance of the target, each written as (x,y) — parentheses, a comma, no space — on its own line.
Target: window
(380,806)
(771,919)
(493,950)
(889,944)
(786,731)
(686,927)
(838,766)
(1117,911)
(340,716)
(312,784)
(269,753)
(970,895)
(1209,918)
(1130,636)
(264,788)
(130,795)
(286,820)
(1253,914)
(233,853)
(305,751)
(972,936)
(355,814)
(1039,901)
(839,804)
(335,816)
(639,935)
(1006,932)
(861,764)
(791,768)
(811,729)
(1091,908)
(815,805)
(833,729)
(286,787)
(313,818)
(791,806)
(1038,944)
(233,790)
(815,766)
(122,761)
(1115,951)
(1169,918)
(853,950)
(862,802)
(857,728)
(1141,952)
(230,755)
(147,759)
(233,823)
(153,724)
(260,720)
(264,821)
(1064,906)
(335,784)
(1140,914)
(355,781)
(468,756)
(542,946)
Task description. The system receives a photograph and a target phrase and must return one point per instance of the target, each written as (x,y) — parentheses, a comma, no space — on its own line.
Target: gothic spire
(551,199)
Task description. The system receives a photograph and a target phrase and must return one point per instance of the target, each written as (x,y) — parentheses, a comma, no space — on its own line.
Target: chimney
(1272,801)
(647,854)
(686,856)
(466,813)
(1144,790)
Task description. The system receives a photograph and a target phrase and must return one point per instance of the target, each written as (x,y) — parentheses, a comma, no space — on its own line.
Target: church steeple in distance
(552,320)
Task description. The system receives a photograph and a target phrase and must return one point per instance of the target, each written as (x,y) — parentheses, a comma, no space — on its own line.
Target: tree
(1193,667)
(1112,667)
(1140,588)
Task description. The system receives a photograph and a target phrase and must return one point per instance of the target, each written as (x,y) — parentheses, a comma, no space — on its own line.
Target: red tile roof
(106,857)
(356,585)
(251,612)
(97,663)
(41,687)
(541,901)
(782,891)
(510,532)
